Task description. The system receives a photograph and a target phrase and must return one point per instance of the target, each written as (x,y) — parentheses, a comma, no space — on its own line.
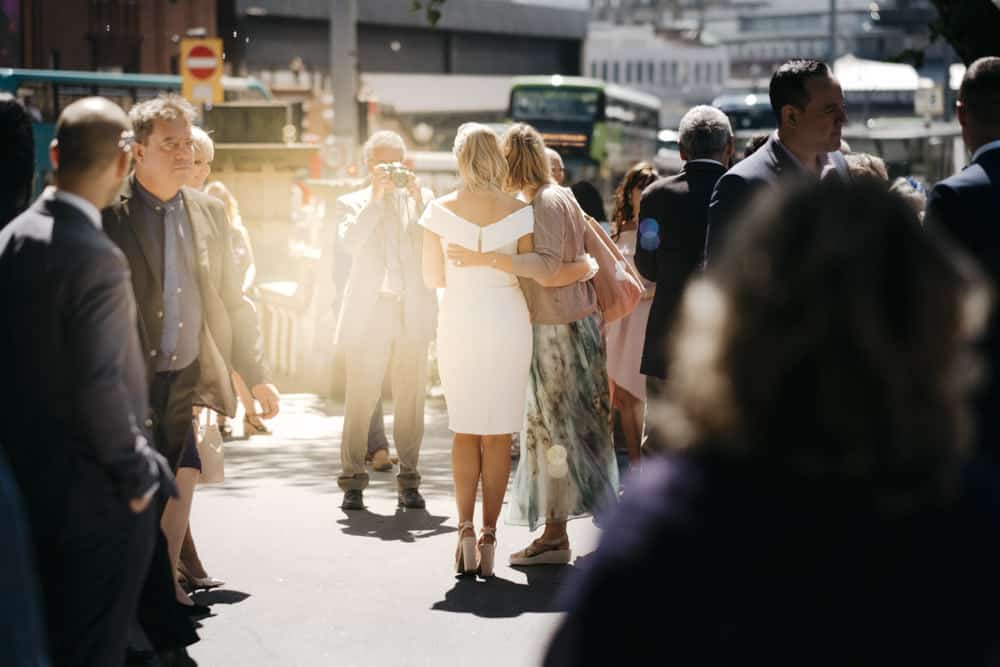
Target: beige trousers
(386,348)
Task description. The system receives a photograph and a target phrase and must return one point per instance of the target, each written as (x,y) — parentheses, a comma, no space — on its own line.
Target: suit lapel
(200,230)
(151,250)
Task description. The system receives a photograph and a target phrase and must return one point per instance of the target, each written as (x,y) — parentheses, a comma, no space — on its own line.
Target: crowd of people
(807,383)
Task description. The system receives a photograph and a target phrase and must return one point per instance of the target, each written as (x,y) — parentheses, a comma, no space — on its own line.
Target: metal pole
(833,33)
(343,69)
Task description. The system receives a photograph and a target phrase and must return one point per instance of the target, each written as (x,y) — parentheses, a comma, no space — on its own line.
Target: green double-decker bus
(46,93)
(600,129)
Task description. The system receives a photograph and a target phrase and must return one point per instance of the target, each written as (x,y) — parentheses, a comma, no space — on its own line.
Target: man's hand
(413,187)
(269,399)
(381,184)
(139,505)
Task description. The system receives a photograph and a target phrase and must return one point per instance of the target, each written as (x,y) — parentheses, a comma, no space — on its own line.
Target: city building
(110,35)
(761,34)
(681,70)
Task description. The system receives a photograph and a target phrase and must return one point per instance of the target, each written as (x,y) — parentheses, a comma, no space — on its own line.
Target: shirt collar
(151,200)
(80,203)
(985,147)
(827,162)
(705,160)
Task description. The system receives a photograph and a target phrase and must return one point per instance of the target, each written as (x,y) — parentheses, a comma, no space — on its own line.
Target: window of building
(615,72)
(593,70)
(604,70)
(673,73)
(628,71)
(697,74)
(650,67)
(638,72)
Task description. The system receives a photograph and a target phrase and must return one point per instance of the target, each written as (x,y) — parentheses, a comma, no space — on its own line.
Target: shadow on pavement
(503,598)
(219,596)
(403,526)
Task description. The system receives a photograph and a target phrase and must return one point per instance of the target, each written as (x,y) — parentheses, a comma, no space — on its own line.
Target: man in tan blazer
(387,319)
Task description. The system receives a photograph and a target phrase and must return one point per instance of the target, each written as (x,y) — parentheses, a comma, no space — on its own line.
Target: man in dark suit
(194,325)
(673,218)
(74,393)
(966,206)
(808,105)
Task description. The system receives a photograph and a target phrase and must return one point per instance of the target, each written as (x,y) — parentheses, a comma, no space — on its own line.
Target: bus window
(564,104)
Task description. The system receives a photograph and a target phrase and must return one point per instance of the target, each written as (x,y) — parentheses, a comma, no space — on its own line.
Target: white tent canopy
(856,74)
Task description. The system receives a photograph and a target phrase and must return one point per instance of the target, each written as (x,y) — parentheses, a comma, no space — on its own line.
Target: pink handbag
(618,285)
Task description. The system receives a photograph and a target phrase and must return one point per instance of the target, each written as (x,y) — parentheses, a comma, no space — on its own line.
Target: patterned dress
(567,467)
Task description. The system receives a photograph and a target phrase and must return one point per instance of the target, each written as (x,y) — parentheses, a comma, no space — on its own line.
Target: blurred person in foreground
(624,337)
(387,319)
(74,389)
(673,222)
(194,325)
(567,467)
(913,193)
(813,511)
(808,106)
(966,206)
(17,169)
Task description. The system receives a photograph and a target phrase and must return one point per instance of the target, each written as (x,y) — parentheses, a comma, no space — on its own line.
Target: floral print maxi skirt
(567,466)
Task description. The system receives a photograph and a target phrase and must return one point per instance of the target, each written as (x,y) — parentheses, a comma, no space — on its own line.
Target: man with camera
(388,316)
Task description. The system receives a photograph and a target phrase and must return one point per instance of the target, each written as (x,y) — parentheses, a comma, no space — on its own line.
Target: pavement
(308,584)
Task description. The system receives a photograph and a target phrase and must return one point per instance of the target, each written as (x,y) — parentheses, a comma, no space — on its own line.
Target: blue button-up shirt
(182,315)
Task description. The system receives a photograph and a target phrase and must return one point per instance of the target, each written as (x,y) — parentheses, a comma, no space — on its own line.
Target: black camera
(400,174)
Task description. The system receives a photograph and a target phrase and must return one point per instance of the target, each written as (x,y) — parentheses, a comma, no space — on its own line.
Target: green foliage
(432,8)
(972,27)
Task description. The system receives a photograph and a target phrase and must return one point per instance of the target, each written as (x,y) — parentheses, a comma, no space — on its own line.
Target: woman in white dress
(484,332)
(625,337)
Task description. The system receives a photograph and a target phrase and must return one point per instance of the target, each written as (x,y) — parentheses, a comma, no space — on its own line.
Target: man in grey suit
(388,315)
(808,106)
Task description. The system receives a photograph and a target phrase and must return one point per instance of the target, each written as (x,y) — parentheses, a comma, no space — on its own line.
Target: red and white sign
(201,70)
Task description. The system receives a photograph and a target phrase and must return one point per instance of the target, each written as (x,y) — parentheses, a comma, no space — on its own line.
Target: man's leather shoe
(353,500)
(411,499)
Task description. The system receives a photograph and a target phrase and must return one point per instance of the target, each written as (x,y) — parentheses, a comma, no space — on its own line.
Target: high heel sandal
(465,553)
(487,551)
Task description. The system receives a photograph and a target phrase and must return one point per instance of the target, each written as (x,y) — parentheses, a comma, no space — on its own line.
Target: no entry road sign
(201,70)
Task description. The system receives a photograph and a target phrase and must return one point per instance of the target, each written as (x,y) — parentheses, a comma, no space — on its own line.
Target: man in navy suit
(966,207)
(808,105)
(673,216)
(74,394)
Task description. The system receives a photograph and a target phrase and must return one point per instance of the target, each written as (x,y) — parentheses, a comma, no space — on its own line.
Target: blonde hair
(219,190)
(527,162)
(481,164)
(203,144)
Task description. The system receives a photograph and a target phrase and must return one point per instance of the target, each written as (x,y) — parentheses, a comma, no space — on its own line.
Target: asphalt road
(309,584)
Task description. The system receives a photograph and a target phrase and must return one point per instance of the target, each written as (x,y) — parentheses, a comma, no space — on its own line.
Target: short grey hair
(203,143)
(164,107)
(704,132)
(382,139)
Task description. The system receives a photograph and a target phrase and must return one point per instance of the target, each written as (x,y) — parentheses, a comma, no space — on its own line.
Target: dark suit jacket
(230,337)
(679,204)
(967,207)
(735,190)
(74,390)
(734,563)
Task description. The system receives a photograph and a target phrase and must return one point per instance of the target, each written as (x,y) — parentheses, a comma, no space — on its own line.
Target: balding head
(556,163)
(90,135)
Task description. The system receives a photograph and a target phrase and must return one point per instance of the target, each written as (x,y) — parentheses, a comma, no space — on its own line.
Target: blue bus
(45,93)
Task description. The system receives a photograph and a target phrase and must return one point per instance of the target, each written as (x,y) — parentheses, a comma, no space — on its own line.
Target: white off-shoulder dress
(484,329)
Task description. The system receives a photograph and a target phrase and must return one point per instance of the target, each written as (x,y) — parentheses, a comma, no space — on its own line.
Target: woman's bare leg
(629,409)
(175,520)
(496,472)
(466,462)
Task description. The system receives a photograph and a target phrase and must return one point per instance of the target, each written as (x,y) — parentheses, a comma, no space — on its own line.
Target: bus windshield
(562,104)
